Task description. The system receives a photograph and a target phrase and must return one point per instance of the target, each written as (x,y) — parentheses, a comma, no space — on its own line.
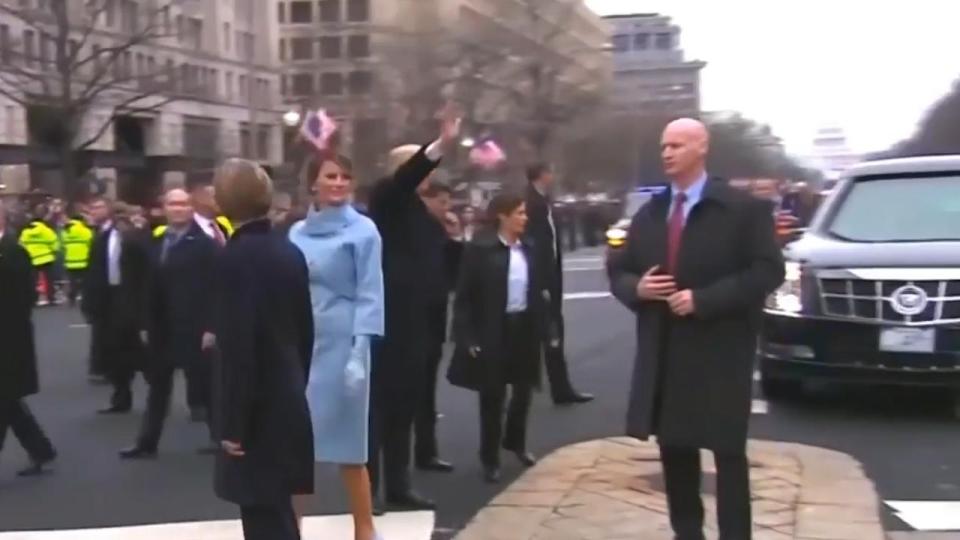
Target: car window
(903,209)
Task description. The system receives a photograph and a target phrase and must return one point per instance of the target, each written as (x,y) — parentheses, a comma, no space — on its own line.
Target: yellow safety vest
(222,220)
(77,238)
(41,243)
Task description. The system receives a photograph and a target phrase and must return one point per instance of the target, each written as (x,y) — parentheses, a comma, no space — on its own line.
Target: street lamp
(291,118)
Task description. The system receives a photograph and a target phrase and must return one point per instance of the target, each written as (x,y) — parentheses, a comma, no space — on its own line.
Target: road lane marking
(759,406)
(586,295)
(583,269)
(394,525)
(79,326)
(583,260)
(928,515)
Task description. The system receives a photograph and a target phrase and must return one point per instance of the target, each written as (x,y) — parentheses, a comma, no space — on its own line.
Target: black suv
(872,293)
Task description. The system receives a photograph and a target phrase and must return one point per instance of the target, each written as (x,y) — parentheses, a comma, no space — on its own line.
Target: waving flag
(318,129)
(487,155)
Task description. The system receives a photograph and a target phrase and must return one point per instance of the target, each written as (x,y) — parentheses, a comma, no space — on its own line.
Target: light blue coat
(343,252)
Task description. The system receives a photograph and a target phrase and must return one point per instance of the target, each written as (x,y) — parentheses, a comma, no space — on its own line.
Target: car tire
(775,389)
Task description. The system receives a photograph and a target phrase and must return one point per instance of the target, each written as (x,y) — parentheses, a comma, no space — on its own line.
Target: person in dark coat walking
(264,328)
(501,319)
(18,361)
(445,264)
(548,250)
(179,327)
(114,300)
(99,212)
(698,263)
(400,359)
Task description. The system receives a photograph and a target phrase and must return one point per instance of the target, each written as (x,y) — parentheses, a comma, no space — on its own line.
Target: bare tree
(70,65)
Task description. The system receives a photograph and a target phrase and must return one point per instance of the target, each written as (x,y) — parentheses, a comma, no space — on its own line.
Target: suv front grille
(874,300)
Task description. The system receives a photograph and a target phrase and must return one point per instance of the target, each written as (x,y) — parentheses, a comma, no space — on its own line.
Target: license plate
(910,340)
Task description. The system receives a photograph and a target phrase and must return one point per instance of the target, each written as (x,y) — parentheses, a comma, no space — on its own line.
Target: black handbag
(465,371)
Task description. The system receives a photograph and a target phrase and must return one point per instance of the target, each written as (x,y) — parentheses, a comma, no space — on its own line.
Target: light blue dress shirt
(694,194)
(518,278)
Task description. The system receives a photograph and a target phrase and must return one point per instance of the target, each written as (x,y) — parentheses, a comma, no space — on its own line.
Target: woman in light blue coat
(343,252)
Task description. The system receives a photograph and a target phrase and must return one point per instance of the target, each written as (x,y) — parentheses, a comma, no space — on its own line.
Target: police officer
(42,244)
(77,238)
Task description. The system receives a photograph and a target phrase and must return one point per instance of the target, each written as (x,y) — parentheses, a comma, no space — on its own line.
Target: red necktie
(675,231)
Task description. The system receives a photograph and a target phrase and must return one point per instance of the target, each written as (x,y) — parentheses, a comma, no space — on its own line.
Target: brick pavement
(611,489)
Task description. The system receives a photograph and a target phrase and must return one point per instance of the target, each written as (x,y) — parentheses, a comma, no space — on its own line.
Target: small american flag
(487,155)
(318,129)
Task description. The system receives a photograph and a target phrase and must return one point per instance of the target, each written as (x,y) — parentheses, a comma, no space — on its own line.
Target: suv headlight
(788,298)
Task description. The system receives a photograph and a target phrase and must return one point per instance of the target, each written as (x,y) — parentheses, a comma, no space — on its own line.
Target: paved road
(907,440)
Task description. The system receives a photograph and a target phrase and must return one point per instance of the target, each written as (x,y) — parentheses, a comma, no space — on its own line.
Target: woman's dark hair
(503,204)
(317,161)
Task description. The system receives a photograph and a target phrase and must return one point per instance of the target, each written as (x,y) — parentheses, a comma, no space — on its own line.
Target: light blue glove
(355,372)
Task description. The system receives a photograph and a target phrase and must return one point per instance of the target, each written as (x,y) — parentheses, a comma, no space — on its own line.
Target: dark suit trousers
(269,522)
(158,407)
(682,473)
(493,433)
(97,365)
(425,424)
(15,415)
(557,372)
(392,413)
(199,374)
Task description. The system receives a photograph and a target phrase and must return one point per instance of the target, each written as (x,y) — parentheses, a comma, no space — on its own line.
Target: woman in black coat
(500,319)
(18,361)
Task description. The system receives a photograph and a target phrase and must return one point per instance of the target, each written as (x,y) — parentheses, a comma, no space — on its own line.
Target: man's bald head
(177,208)
(684,148)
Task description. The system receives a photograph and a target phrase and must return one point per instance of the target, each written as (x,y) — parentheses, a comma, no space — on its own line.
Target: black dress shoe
(573,398)
(435,465)
(37,468)
(138,452)
(116,409)
(377,506)
(525,458)
(410,501)
(491,474)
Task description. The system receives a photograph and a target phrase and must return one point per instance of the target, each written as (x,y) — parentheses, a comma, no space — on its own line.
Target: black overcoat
(264,328)
(478,317)
(18,294)
(413,267)
(700,366)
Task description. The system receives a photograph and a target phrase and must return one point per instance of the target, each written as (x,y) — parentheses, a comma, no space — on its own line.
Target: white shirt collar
(508,244)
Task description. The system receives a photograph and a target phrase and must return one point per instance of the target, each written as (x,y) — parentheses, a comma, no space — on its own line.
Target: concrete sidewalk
(612,489)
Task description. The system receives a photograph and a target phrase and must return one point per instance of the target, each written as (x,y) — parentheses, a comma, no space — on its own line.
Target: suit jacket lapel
(501,267)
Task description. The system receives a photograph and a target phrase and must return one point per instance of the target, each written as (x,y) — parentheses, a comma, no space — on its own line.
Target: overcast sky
(871,68)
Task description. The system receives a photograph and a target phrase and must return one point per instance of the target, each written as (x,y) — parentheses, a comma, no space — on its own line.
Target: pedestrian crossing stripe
(391,526)
(586,295)
(928,515)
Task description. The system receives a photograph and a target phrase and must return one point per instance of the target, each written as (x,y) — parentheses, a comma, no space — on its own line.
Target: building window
(43,43)
(167,26)
(641,42)
(330,47)
(331,84)
(301,48)
(360,82)
(108,11)
(243,90)
(4,44)
(329,11)
(227,36)
(358,10)
(621,43)
(129,16)
(194,39)
(283,49)
(281,12)
(228,83)
(664,41)
(29,48)
(301,12)
(358,46)
(302,84)
(283,85)
(181,30)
